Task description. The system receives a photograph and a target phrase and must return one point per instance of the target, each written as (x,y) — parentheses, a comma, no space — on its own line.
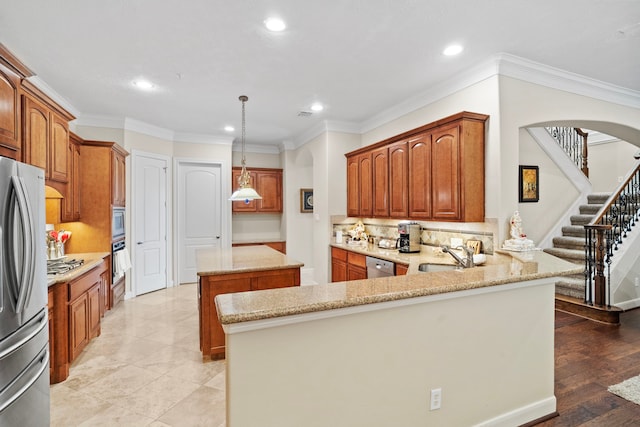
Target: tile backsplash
(431,234)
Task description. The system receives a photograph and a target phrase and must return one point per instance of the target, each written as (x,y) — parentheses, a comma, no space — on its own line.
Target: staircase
(570,290)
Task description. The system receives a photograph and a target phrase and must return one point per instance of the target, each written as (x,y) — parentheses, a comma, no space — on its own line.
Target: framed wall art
(529,184)
(306,200)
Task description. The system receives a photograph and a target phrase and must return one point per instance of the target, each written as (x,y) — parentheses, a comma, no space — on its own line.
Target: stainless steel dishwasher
(377,267)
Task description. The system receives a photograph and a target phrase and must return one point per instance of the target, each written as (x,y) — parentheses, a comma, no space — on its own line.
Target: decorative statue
(518,241)
(358,233)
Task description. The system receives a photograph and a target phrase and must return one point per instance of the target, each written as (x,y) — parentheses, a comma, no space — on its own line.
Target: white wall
(609,163)
(376,368)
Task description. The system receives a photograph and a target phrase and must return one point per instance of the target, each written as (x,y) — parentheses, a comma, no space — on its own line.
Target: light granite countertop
(91,260)
(241,259)
(500,268)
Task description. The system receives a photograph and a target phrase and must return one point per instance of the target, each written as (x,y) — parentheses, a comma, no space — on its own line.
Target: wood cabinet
(70,206)
(74,316)
(360,185)
(45,136)
(435,172)
(118,194)
(280,246)
(212,338)
(84,310)
(347,265)
(401,269)
(9,112)
(268,183)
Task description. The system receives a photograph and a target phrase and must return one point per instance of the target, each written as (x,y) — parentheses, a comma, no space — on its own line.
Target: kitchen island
(237,269)
(370,352)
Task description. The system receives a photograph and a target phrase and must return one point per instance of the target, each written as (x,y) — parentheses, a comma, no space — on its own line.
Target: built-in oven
(117,224)
(118,266)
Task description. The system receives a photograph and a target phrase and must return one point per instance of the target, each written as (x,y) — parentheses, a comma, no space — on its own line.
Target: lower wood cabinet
(212,338)
(401,269)
(347,265)
(75,309)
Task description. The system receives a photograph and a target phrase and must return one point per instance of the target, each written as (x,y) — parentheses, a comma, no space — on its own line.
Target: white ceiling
(358,57)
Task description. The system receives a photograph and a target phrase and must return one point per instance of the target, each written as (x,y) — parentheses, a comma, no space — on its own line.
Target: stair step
(569,242)
(571,255)
(590,209)
(573,231)
(598,198)
(581,219)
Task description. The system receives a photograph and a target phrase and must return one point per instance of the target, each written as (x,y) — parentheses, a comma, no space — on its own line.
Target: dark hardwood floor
(589,357)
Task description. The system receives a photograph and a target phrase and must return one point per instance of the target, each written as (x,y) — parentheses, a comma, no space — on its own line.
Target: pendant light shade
(245,192)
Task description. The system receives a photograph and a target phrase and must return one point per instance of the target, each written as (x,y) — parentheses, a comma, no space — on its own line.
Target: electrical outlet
(637,282)
(436,399)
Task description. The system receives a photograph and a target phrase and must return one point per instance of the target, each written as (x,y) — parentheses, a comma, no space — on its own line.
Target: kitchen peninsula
(237,269)
(372,352)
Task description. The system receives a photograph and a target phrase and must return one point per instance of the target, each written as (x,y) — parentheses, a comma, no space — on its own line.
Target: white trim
(522,415)
(256,148)
(147,129)
(628,305)
(55,96)
(198,138)
(109,122)
(253,325)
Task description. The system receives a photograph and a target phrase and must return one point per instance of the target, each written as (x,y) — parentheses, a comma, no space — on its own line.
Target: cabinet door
(217,337)
(105,287)
(35,133)
(269,187)
(398,180)
(119,180)
(58,149)
(338,265)
(356,273)
(380,182)
(445,180)
(240,206)
(78,325)
(9,110)
(420,177)
(71,202)
(365,181)
(93,319)
(353,187)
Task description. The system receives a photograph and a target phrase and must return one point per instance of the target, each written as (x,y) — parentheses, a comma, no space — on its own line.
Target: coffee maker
(409,240)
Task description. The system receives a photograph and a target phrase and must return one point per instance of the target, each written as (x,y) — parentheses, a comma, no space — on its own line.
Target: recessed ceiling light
(452,50)
(317,107)
(143,84)
(229,128)
(275,24)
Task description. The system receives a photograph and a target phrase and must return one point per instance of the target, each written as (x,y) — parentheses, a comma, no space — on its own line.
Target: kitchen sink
(427,267)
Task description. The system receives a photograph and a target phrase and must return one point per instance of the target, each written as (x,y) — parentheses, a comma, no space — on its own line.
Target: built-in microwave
(117,224)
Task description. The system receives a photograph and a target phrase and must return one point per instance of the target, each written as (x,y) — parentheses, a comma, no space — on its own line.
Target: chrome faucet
(464,263)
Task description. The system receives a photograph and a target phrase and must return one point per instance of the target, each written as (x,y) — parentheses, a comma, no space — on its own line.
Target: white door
(199,214)
(150,222)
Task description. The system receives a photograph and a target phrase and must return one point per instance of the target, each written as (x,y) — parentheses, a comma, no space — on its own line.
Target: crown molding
(196,138)
(148,129)
(320,128)
(55,96)
(257,148)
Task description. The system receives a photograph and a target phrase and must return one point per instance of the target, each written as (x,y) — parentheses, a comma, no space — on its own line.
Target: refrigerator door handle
(1,271)
(19,195)
(25,379)
(31,329)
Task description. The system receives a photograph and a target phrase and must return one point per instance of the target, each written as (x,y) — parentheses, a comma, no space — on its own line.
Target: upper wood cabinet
(360,185)
(70,206)
(267,182)
(118,160)
(9,112)
(45,136)
(12,71)
(435,172)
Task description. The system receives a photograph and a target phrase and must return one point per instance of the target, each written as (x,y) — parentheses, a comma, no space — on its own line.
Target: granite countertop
(501,268)
(241,259)
(91,260)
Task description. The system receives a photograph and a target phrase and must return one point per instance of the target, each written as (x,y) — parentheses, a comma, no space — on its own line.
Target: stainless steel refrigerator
(24,332)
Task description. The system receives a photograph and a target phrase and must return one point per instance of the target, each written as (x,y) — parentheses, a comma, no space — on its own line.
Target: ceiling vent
(304,113)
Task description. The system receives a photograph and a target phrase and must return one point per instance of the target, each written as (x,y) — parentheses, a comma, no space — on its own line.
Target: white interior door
(199,214)
(150,217)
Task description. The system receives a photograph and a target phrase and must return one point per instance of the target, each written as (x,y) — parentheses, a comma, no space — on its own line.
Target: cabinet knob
(140,243)
(217,237)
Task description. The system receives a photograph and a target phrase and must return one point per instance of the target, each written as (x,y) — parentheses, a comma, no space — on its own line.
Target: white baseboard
(523,415)
(628,305)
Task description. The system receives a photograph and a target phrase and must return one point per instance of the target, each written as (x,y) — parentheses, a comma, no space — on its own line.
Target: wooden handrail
(598,218)
(585,151)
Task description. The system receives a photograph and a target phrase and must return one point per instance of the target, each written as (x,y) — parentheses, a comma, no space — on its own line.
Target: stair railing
(574,142)
(605,233)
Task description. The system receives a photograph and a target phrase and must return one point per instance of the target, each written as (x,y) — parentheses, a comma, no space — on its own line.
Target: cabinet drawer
(83,283)
(338,253)
(357,259)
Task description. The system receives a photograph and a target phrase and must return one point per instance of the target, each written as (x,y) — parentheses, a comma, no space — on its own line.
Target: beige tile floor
(145,369)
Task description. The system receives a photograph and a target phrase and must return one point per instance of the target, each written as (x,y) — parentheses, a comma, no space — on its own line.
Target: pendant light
(245,192)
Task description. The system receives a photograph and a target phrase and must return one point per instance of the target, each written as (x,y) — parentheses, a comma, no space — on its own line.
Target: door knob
(140,243)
